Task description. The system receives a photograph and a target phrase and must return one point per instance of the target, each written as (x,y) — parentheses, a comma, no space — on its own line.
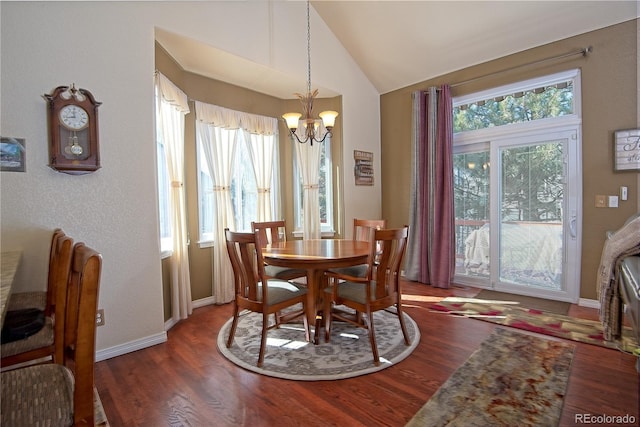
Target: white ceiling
(399,43)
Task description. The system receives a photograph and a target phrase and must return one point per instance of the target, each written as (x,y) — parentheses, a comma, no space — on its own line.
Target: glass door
(517,215)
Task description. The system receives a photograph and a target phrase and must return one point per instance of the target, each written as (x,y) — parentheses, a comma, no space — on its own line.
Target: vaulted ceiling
(399,43)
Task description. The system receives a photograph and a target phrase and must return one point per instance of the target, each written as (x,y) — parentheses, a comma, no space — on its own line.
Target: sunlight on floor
(481,301)
(284,343)
(421,298)
(292,345)
(345,335)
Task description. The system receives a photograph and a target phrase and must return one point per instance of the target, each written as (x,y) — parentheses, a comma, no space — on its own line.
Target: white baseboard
(131,346)
(202,302)
(149,341)
(590,303)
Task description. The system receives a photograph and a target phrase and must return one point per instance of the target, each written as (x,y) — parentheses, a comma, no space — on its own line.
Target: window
(164,183)
(519,103)
(244,192)
(325,190)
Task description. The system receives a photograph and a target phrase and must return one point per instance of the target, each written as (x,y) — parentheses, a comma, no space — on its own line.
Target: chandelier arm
(310,138)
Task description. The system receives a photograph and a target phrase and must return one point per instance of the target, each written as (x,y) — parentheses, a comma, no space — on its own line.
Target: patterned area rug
(512,380)
(556,325)
(289,356)
(100,418)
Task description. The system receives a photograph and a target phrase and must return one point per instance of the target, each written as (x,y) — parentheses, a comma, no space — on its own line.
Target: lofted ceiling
(399,43)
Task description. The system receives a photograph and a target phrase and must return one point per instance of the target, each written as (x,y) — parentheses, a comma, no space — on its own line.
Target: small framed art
(12,154)
(363,169)
(627,150)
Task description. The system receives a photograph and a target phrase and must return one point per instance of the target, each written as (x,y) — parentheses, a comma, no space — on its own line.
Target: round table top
(316,251)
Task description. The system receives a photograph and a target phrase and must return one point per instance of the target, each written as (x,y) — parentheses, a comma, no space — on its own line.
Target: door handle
(573,223)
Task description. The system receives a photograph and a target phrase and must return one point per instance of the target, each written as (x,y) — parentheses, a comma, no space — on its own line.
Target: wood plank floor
(187,382)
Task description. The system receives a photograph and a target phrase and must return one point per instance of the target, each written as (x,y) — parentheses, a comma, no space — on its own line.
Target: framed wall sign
(627,150)
(363,169)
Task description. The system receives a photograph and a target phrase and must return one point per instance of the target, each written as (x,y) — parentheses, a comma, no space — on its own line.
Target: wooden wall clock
(73,130)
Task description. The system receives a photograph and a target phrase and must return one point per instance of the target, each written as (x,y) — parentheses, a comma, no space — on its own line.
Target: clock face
(74,117)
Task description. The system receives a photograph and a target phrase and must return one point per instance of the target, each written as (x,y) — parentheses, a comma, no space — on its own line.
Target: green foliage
(552,101)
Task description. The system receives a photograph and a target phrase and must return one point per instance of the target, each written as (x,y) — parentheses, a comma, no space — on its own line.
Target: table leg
(314,289)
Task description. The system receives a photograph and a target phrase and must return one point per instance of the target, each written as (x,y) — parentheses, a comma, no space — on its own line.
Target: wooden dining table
(316,256)
(9,262)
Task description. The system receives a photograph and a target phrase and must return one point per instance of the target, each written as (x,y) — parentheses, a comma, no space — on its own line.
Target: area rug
(516,316)
(557,307)
(100,417)
(514,379)
(347,355)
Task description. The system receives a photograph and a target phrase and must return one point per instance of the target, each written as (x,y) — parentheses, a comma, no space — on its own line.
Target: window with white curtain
(244,192)
(326,191)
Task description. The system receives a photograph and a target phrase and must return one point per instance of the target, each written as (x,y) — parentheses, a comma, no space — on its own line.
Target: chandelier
(311,126)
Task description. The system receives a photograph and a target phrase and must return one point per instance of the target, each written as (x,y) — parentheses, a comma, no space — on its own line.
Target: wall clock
(73,130)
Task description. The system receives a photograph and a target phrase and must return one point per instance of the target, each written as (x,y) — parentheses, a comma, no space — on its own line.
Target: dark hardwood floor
(187,382)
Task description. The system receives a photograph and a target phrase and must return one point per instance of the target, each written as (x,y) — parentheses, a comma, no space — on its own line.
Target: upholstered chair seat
(22,300)
(45,393)
(41,339)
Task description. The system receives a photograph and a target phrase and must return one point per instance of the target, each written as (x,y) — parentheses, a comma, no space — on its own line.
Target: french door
(517,201)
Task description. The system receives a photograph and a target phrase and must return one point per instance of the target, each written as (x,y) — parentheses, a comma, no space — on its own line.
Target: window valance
(172,94)
(232,119)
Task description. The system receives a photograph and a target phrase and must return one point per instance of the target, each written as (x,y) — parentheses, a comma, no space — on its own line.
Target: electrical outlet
(601,201)
(100,317)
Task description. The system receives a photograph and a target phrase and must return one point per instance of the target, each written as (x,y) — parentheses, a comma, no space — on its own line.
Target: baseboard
(202,302)
(590,303)
(152,340)
(131,346)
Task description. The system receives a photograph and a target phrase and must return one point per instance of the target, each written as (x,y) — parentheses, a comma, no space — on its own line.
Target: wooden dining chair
(61,393)
(274,232)
(42,344)
(361,228)
(378,290)
(255,291)
(42,300)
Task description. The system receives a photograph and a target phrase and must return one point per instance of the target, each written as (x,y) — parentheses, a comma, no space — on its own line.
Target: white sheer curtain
(309,160)
(262,149)
(171,106)
(217,130)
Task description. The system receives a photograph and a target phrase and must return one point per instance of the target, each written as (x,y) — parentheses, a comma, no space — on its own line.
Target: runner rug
(289,356)
(512,314)
(514,379)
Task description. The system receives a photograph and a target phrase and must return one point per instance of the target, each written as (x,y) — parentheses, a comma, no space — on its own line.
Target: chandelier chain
(308,49)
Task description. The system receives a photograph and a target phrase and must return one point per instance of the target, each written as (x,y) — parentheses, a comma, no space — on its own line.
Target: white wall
(107,48)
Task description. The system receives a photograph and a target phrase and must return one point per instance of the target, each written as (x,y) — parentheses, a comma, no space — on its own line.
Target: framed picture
(363,169)
(627,150)
(12,154)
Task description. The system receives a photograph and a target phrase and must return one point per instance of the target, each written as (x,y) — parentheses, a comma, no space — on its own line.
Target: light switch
(601,201)
(623,193)
(613,201)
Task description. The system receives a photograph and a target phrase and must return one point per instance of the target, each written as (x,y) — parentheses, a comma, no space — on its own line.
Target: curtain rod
(584,52)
